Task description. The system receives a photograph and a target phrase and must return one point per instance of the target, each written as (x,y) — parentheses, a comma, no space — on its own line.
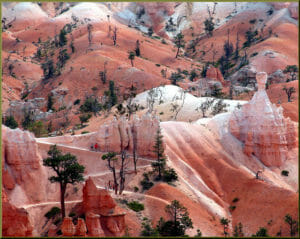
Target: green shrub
(169,175)
(85,132)
(235,200)
(146,183)
(11,122)
(252,21)
(147,229)
(254,54)
(158,65)
(77,102)
(135,189)
(285,173)
(90,104)
(231,208)
(53,212)
(136,206)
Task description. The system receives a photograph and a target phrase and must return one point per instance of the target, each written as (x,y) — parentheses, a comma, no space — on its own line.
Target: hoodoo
(262,128)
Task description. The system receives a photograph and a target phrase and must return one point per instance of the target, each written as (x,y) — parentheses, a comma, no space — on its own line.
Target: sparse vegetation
(179,223)
(90,105)
(84,118)
(293,224)
(225,223)
(285,173)
(179,42)
(289,91)
(136,206)
(11,122)
(292,70)
(262,232)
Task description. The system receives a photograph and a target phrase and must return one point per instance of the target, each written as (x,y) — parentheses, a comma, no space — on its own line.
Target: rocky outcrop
(102,213)
(35,107)
(214,73)
(277,77)
(262,128)
(246,76)
(22,167)
(93,225)
(15,221)
(67,227)
(80,228)
(138,133)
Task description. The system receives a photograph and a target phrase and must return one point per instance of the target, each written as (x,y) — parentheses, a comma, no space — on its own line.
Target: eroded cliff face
(103,216)
(24,177)
(262,128)
(137,133)
(15,221)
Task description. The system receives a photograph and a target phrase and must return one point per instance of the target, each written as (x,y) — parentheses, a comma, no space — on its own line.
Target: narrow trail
(93,153)
(125,192)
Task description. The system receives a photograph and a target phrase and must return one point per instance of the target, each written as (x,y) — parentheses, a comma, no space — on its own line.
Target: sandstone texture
(262,128)
(103,215)
(15,221)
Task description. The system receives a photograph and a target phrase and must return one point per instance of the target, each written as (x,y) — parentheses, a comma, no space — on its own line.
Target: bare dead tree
(134,150)
(205,106)
(115,36)
(109,31)
(123,171)
(89,28)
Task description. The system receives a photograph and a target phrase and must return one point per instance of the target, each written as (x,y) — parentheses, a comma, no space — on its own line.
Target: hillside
(220,80)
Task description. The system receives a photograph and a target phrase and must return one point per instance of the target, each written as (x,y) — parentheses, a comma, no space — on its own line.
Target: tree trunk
(62,200)
(131,62)
(116,185)
(177,52)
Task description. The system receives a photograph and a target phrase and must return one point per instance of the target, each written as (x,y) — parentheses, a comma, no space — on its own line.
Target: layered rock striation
(23,173)
(262,128)
(103,216)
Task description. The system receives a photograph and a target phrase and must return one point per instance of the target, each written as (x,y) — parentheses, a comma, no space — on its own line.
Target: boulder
(262,128)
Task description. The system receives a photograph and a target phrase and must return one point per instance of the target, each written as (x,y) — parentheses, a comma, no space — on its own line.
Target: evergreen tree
(131,56)
(292,223)
(225,223)
(160,163)
(180,220)
(62,38)
(67,169)
(179,42)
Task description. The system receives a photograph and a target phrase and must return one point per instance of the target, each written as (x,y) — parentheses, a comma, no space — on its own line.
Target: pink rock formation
(22,164)
(262,128)
(93,225)
(67,227)
(294,9)
(123,134)
(98,202)
(80,228)
(214,73)
(15,221)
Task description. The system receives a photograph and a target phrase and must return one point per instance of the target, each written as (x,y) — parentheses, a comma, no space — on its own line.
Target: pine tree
(160,163)
(67,169)
(179,42)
